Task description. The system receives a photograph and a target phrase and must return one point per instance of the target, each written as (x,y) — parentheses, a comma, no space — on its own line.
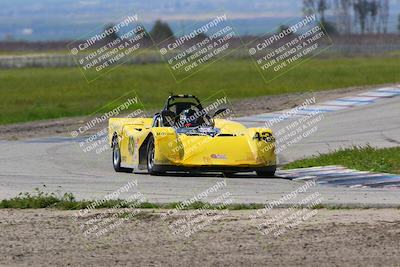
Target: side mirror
(219,111)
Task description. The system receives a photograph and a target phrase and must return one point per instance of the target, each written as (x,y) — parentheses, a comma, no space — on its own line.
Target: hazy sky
(69,19)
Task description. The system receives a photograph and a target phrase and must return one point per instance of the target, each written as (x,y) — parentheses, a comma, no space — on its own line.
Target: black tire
(229,174)
(116,158)
(151,168)
(270,173)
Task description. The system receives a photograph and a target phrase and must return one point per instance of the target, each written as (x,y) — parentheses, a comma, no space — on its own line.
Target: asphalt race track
(57,164)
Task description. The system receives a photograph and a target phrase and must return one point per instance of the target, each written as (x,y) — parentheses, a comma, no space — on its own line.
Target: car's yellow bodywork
(235,147)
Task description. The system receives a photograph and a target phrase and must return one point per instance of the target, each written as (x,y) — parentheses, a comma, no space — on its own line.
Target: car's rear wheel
(151,168)
(116,158)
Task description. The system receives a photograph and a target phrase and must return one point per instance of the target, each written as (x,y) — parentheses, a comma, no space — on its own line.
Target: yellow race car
(184,137)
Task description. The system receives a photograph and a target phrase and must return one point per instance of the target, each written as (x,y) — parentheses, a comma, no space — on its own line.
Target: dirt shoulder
(328,238)
(243,107)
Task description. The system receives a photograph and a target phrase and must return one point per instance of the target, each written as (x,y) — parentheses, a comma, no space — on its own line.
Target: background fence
(348,45)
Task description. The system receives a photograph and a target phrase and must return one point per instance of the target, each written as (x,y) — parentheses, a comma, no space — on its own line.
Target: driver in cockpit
(188,118)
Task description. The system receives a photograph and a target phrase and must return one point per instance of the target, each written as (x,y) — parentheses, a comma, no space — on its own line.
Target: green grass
(393,53)
(41,200)
(38,200)
(45,93)
(361,158)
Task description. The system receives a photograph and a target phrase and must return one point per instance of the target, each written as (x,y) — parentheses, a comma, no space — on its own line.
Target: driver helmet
(188,118)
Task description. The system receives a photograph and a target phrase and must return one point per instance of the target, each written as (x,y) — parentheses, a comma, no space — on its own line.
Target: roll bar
(173,97)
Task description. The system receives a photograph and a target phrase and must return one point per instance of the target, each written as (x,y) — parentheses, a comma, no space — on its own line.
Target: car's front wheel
(269,172)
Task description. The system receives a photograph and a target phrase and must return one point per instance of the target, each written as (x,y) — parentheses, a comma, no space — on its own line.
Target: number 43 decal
(264,136)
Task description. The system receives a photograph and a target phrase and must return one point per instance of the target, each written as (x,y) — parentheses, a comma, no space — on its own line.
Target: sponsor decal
(218,156)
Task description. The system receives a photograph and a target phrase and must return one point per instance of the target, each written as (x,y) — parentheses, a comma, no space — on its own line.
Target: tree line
(352,16)
(160,32)
(337,17)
